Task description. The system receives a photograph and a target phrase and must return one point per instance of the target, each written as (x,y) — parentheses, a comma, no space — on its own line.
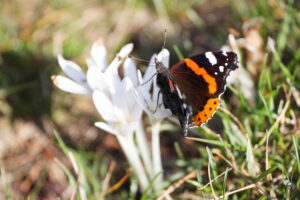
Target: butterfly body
(191,89)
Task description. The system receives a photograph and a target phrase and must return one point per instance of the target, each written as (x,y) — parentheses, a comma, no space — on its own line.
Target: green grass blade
(296,147)
(265,173)
(146,193)
(178,52)
(215,142)
(225,183)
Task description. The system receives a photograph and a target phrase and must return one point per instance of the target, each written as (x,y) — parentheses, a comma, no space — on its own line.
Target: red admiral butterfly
(191,89)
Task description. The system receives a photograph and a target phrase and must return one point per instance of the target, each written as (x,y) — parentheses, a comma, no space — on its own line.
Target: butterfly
(191,89)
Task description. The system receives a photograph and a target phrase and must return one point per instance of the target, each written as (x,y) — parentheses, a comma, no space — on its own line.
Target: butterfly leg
(157,104)
(144,83)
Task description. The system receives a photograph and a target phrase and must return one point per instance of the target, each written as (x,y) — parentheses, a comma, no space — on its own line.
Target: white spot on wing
(216,73)
(211,58)
(224,53)
(221,68)
(226,64)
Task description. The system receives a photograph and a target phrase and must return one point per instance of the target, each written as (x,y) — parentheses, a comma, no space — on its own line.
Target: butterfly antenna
(148,79)
(165,39)
(139,59)
(164,44)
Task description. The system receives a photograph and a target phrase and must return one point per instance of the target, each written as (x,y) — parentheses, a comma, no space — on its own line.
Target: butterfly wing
(201,79)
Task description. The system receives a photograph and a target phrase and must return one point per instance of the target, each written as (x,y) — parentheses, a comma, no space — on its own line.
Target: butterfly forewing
(201,79)
(218,65)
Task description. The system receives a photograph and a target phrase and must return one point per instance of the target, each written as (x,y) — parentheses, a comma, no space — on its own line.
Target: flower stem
(133,158)
(156,155)
(143,148)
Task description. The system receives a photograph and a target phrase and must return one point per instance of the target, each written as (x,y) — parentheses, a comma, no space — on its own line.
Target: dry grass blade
(233,160)
(214,179)
(296,95)
(269,176)
(237,121)
(79,186)
(120,182)
(278,120)
(236,191)
(105,184)
(177,184)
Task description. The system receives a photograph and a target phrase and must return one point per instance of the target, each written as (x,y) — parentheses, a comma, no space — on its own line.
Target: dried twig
(223,173)
(107,178)
(237,121)
(177,184)
(120,182)
(236,191)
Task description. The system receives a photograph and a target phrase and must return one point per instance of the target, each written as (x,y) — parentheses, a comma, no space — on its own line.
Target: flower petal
(119,130)
(72,70)
(96,79)
(164,56)
(147,96)
(128,84)
(162,113)
(121,99)
(141,101)
(108,128)
(130,71)
(150,74)
(140,77)
(150,69)
(104,106)
(99,55)
(134,109)
(68,85)
(115,64)
(127,128)
(125,51)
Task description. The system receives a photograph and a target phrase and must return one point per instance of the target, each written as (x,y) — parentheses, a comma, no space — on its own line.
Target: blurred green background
(32,32)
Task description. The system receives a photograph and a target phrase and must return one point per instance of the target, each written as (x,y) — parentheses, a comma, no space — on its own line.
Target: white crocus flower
(80,83)
(113,97)
(122,116)
(118,108)
(148,96)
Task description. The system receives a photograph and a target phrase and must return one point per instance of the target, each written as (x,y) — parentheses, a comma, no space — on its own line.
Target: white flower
(121,113)
(147,94)
(80,83)
(113,97)
(119,108)
(149,97)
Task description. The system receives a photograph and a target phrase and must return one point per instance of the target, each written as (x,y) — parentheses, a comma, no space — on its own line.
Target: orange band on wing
(211,81)
(207,112)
